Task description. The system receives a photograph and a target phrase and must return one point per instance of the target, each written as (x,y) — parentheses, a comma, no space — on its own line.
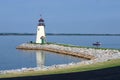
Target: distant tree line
(61,34)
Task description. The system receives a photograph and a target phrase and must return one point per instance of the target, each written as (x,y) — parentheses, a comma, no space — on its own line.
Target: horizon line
(67,34)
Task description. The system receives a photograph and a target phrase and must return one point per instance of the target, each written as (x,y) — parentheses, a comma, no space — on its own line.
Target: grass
(77,68)
(69,45)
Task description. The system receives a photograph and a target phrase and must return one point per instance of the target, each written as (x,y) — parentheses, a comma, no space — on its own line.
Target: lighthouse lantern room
(41,35)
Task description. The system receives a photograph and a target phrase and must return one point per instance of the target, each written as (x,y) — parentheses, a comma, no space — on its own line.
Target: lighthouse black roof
(41,20)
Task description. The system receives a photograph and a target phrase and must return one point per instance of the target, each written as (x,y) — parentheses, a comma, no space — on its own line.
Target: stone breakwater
(95,56)
(88,53)
(77,52)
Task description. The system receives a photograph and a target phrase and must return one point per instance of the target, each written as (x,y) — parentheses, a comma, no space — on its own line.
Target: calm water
(11,58)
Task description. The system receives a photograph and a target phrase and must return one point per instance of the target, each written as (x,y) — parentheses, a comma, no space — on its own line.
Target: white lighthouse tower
(41,36)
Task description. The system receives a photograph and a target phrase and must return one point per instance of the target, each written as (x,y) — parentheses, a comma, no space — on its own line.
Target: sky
(61,16)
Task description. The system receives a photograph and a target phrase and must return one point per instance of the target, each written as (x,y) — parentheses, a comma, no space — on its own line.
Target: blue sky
(61,16)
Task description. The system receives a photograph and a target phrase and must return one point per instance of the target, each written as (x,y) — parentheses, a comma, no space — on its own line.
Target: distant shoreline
(56,34)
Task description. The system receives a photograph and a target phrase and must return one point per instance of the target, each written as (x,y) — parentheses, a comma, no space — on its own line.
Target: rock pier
(57,49)
(87,53)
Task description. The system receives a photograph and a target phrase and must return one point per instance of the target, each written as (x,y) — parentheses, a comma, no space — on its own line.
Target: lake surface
(11,58)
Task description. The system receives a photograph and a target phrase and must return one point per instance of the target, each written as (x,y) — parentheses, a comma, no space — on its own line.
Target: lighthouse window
(38,29)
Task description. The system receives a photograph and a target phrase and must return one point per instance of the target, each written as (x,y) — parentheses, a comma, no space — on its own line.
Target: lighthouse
(41,35)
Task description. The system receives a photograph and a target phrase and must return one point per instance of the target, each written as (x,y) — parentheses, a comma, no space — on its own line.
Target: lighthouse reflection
(40,59)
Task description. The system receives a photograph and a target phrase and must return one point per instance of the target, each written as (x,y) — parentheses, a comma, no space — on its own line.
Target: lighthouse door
(42,40)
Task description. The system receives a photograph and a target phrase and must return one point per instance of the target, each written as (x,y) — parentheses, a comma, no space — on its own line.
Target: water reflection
(40,59)
(37,57)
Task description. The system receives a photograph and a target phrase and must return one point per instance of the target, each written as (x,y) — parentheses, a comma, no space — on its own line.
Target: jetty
(57,49)
(87,53)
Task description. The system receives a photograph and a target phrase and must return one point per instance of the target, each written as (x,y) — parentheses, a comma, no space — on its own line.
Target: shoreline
(98,55)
